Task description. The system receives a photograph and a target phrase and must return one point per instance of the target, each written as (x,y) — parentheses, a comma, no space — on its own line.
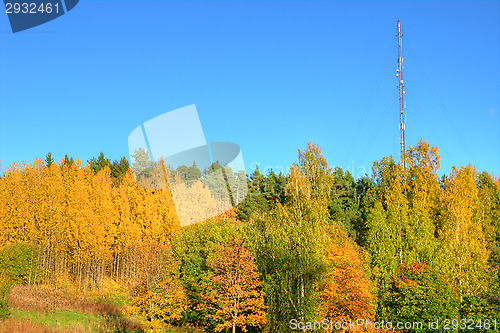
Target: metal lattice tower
(399,74)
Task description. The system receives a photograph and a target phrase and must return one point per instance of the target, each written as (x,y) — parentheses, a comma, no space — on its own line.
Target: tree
(291,239)
(214,179)
(463,242)
(49,160)
(419,294)
(255,201)
(188,175)
(67,160)
(193,247)
(314,167)
(488,213)
(422,190)
(78,226)
(387,225)
(17,262)
(141,161)
(274,188)
(99,163)
(159,297)
(344,201)
(119,169)
(237,288)
(346,294)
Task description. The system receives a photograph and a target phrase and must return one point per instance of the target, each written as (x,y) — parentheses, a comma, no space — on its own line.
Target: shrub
(5,286)
(419,293)
(17,262)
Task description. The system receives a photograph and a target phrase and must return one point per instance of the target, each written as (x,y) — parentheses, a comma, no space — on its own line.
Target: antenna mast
(399,74)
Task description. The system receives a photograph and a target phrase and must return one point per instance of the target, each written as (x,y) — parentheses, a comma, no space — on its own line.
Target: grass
(61,320)
(45,309)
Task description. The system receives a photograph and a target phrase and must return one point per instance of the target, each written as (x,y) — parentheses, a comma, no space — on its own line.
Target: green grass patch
(63,319)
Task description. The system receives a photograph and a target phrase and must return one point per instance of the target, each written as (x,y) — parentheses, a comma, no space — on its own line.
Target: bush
(419,293)
(17,261)
(5,286)
(477,308)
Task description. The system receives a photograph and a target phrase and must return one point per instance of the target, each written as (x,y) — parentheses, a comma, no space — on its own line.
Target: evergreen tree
(49,160)
(119,168)
(255,201)
(344,202)
(68,161)
(99,163)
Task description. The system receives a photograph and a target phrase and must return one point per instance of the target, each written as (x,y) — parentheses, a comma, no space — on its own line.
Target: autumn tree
(386,223)
(401,210)
(193,247)
(422,189)
(463,241)
(237,289)
(82,227)
(313,166)
(346,292)
(291,239)
(159,297)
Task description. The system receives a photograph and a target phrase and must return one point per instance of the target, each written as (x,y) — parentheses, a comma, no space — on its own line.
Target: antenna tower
(399,74)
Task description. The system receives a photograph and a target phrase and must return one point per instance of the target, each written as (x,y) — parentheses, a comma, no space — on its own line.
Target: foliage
(192,248)
(344,202)
(255,201)
(77,226)
(17,262)
(290,240)
(99,163)
(346,293)
(5,286)
(141,161)
(159,297)
(419,293)
(462,233)
(240,302)
(314,242)
(49,160)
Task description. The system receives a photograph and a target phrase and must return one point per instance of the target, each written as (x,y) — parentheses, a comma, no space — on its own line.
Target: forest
(303,249)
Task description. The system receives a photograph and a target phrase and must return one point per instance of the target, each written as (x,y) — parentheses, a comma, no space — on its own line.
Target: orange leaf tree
(237,288)
(346,292)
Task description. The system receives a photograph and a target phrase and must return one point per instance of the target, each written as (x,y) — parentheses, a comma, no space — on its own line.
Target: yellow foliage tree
(159,297)
(346,294)
(465,254)
(84,227)
(237,291)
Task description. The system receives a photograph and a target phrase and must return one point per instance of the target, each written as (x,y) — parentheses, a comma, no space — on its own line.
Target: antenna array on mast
(399,74)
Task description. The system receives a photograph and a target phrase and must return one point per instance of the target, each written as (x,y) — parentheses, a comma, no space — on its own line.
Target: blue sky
(269,76)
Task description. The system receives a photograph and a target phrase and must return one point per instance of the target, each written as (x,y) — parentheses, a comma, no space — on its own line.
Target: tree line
(400,245)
